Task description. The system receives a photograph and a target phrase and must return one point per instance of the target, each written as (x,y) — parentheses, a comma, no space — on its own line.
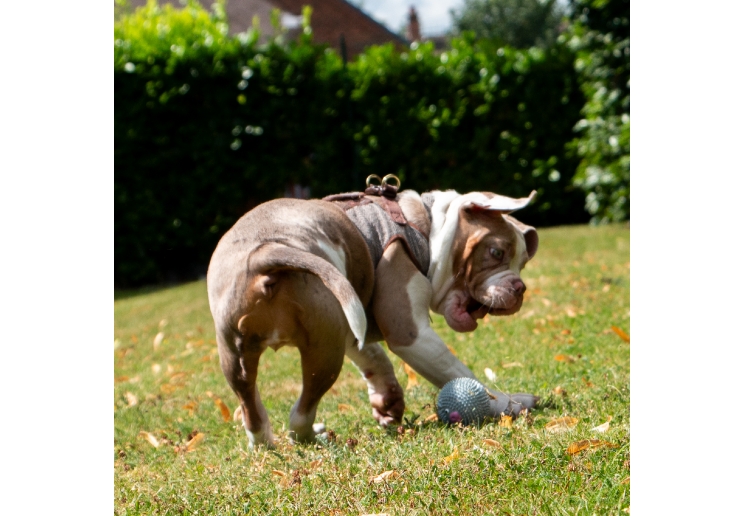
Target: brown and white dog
(300,273)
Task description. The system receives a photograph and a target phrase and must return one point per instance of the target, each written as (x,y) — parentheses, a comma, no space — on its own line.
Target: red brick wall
(331,18)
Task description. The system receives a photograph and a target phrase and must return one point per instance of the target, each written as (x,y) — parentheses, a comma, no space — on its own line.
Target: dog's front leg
(385,393)
(401,308)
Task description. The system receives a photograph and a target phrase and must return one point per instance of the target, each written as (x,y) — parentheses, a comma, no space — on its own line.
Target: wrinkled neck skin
(467,281)
(444,215)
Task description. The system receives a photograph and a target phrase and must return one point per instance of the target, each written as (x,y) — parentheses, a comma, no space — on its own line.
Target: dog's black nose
(519,287)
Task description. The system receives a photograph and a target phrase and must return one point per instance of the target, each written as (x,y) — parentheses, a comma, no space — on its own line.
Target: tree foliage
(517,23)
(600,36)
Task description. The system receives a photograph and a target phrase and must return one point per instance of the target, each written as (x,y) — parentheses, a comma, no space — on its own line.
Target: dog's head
(478,251)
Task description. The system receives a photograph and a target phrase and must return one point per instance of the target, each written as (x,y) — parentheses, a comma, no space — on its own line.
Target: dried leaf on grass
(287,479)
(131,399)
(150,438)
(158,340)
(431,418)
(506,421)
(586,444)
(178,377)
(191,407)
(491,442)
(565,358)
(604,427)
(452,350)
(490,374)
(168,388)
(343,407)
(560,391)
(562,424)
(192,443)
(455,455)
(223,409)
(220,405)
(621,333)
(412,377)
(385,476)
(511,364)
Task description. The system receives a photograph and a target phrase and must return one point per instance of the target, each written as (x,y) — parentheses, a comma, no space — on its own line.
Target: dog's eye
(496,253)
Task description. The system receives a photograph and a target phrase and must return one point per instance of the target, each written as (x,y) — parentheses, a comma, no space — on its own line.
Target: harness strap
(387,194)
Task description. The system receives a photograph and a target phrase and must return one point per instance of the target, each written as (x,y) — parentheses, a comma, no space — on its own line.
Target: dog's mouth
(478,310)
(462,310)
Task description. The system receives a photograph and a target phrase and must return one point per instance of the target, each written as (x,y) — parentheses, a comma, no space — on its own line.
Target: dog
(327,277)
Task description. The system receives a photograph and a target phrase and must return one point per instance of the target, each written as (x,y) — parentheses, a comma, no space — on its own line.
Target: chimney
(413,31)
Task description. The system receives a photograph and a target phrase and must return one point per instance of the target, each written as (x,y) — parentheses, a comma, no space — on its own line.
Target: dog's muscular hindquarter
(300,273)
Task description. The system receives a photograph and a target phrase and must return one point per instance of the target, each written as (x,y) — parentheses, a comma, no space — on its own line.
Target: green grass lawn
(561,346)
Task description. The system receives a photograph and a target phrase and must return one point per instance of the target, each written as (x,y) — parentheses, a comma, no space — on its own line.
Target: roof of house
(332,18)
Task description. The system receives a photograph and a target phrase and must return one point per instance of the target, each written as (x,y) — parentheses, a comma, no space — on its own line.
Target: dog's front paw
(512,404)
(522,401)
(388,407)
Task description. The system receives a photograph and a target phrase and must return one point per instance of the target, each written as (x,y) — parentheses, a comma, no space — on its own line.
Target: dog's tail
(274,257)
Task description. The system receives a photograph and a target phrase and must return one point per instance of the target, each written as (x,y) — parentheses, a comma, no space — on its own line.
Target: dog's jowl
(336,277)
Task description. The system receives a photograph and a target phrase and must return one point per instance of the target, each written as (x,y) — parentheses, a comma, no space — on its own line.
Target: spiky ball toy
(463,400)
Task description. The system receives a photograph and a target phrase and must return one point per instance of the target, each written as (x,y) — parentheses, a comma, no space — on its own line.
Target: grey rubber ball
(463,400)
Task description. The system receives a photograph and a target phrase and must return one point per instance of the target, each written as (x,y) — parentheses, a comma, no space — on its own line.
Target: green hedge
(208,125)
(600,36)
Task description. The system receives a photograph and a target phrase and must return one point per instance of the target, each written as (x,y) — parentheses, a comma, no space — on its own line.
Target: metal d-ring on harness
(385,190)
(383,186)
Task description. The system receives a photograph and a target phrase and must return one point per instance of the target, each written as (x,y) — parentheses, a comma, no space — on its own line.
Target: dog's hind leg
(319,372)
(322,336)
(239,363)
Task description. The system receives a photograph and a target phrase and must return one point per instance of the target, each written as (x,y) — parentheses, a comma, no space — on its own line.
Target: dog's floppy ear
(499,203)
(528,232)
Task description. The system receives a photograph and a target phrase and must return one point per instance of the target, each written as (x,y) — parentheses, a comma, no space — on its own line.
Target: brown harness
(386,193)
(385,196)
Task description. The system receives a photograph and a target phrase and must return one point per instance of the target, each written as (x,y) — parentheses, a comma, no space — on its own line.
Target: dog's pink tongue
(479,313)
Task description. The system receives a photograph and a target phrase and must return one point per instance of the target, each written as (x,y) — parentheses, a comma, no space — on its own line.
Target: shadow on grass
(122,293)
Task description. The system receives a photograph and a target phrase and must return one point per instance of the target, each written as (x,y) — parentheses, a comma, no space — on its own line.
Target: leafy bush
(208,125)
(517,23)
(600,37)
